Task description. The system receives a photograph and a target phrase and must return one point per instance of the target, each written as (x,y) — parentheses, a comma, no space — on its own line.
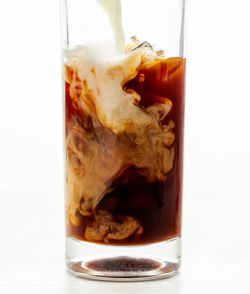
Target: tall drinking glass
(124,78)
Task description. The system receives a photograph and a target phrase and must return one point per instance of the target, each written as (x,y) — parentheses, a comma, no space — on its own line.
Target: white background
(216,215)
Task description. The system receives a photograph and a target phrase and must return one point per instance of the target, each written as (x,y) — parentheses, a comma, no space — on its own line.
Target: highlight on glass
(124,85)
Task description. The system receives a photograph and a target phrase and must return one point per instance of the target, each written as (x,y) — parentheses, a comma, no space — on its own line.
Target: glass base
(123,263)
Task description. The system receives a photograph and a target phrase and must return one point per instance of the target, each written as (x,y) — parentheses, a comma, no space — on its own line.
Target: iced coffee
(124,144)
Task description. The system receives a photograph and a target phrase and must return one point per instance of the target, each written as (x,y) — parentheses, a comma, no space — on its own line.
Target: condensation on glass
(124,78)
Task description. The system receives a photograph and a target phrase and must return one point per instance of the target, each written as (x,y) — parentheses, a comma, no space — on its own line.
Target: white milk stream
(114,12)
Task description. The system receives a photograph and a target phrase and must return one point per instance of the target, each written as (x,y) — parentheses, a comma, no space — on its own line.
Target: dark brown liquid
(156,205)
(123,264)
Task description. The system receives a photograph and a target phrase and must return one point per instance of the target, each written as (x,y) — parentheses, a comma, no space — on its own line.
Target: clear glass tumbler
(124,79)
